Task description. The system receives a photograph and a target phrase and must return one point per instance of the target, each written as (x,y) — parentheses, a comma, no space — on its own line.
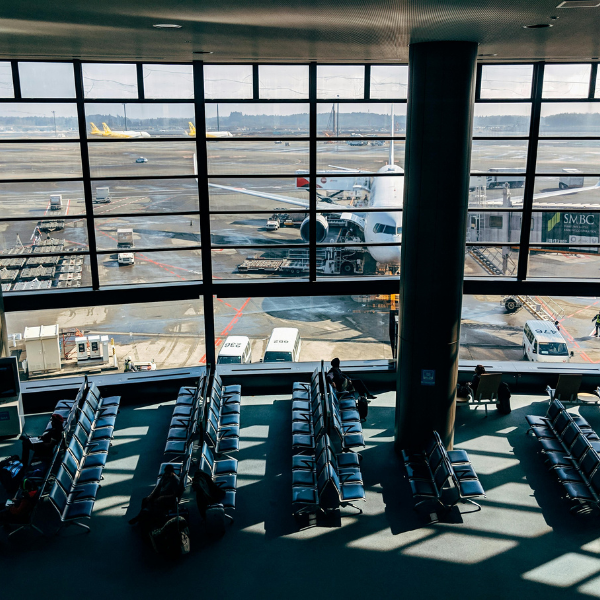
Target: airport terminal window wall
(283,184)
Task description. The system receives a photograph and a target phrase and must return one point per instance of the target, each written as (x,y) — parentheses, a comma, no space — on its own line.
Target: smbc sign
(570,227)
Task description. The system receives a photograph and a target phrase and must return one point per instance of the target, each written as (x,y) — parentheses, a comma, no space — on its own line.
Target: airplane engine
(322,228)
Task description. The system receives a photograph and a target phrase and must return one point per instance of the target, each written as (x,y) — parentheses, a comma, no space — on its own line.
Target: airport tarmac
(167,245)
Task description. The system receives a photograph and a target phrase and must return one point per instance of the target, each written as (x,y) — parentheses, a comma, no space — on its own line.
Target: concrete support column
(441,95)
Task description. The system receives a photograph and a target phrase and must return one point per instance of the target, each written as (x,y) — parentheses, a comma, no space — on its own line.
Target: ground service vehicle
(141,159)
(55,202)
(126,258)
(272,224)
(514,177)
(102,195)
(125,238)
(574,179)
(284,345)
(543,342)
(235,351)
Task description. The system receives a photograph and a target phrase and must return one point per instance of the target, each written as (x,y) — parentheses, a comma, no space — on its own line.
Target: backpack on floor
(503,399)
(172,539)
(363,408)
(215,521)
(11,474)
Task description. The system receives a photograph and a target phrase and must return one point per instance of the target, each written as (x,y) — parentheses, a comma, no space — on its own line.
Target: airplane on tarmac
(209,134)
(107,132)
(385,193)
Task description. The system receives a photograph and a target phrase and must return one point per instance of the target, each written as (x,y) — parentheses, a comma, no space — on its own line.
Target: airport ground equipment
(330,261)
(55,201)
(441,476)
(43,348)
(487,391)
(125,258)
(102,195)
(125,238)
(570,447)
(567,391)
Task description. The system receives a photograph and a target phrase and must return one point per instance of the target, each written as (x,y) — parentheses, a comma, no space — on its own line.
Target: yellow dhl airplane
(107,132)
(209,134)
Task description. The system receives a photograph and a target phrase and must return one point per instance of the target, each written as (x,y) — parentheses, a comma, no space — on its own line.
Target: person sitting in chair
(474,384)
(342,383)
(162,498)
(43,446)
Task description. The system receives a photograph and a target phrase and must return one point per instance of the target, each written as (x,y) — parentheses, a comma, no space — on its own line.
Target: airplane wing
(276,197)
(518,200)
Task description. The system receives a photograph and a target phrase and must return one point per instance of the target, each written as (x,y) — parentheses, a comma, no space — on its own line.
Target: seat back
(207,453)
(64,479)
(211,434)
(590,462)
(488,386)
(436,458)
(93,389)
(432,444)
(76,450)
(567,387)
(58,498)
(70,464)
(205,466)
(553,411)
(580,446)
(562,422)
(321,445)
(88,412)
(441,475)
(319,427)
(329,489)
(81,434)
(569,434)
(92,401)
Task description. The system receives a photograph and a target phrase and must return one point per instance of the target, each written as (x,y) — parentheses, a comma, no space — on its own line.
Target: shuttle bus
(284,345)
(543,342)
(235,351)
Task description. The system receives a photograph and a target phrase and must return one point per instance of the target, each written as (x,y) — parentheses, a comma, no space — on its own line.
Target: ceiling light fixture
(538,26)
(486,55)
(202,52)
(166,26)
(579,4)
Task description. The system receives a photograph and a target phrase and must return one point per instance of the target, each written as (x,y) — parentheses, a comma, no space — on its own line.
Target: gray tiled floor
(523,543)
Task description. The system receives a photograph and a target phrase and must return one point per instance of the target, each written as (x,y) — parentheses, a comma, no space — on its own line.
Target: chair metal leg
(465,500)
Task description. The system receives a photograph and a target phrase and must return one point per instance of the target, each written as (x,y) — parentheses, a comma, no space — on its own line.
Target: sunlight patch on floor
(564,571)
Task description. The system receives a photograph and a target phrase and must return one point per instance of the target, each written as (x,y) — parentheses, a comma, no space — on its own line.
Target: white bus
(542,342)
(284,345)
(235,351)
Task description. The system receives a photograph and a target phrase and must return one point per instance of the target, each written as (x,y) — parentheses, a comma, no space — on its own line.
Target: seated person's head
(479,369)
(169,469)
(57,421)
(335,363)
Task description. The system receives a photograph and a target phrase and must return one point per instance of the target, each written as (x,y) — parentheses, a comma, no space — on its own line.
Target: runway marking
(230,325)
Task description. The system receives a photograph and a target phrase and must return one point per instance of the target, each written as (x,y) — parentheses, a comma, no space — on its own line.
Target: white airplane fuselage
(134,134)
(385,227)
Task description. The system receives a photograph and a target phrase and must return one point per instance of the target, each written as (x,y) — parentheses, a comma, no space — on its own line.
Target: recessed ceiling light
(167,26)
(486,55)
(538,26)
(579,4)
(202,52)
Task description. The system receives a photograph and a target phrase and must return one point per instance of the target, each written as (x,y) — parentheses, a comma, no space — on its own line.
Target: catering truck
(102,195)
(55,201)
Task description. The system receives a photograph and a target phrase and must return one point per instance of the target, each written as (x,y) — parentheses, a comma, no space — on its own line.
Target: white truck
(55,201)
(102,195)
(125,240)
(573,179)
(514,177)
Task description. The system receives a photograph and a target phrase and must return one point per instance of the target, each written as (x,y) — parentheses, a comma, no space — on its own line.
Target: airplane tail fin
(192,130)
(391,158)
(94,130)
(106,129)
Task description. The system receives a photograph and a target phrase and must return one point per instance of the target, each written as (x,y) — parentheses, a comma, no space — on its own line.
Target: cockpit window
(387,229)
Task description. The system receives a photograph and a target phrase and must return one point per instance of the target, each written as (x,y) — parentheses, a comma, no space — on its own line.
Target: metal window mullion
(478,82)
(312,170)
(140,81)
(593,78)
(367,89)
(16,78)
(532,150)
(85,170)
(204,211)
(255,83)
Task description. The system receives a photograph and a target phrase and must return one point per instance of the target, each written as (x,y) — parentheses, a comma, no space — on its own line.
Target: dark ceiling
(292,30)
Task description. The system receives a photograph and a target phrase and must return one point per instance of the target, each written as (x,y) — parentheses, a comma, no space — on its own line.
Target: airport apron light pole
(441,96)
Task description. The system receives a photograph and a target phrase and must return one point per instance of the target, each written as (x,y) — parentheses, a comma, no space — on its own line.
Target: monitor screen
(9,379)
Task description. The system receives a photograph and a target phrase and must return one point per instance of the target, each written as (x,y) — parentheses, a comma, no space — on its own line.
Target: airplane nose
(388,255)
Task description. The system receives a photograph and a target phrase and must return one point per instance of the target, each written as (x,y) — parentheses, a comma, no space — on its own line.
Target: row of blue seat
(442,476)
(77,481)
(570,445)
